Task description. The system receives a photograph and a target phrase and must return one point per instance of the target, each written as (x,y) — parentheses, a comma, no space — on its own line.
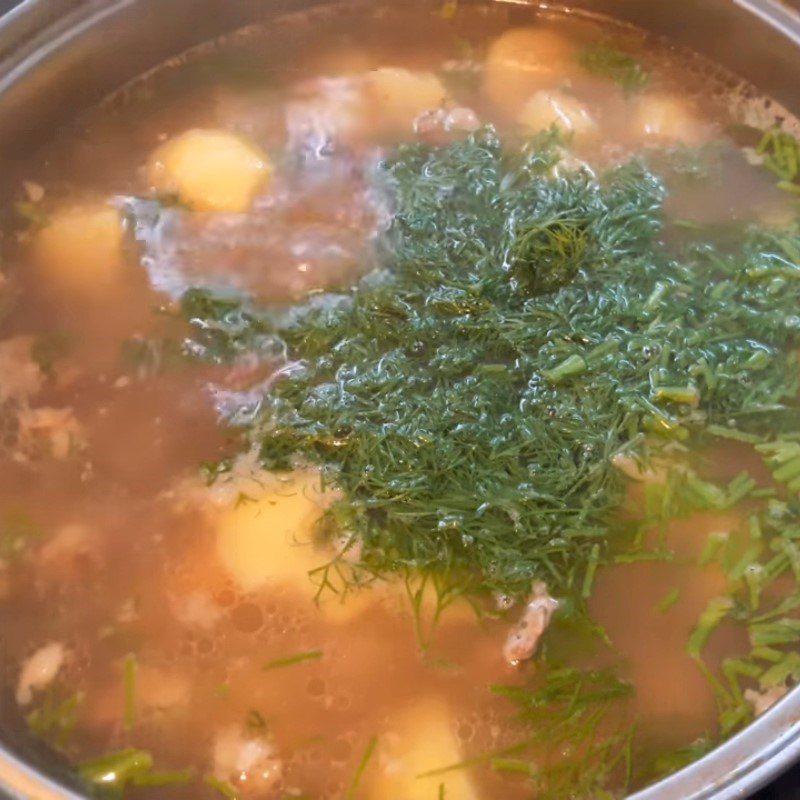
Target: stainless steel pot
(58,57)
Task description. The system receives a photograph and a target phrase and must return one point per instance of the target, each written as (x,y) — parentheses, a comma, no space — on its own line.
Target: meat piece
(39,670)
(524,638)
(761,701)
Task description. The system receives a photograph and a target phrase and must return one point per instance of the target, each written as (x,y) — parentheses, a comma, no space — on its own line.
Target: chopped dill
(524,327)
(363,763)
(608,61)
(290,661)
(583,716)
(129,669)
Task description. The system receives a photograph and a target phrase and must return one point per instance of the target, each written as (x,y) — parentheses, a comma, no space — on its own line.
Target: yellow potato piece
(523,60)
(544,109)
(80,250)
(416,741)
(666,117)
(399,96)
(209,170)
(268,540)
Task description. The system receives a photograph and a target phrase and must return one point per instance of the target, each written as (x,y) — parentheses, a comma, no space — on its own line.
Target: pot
(58,57)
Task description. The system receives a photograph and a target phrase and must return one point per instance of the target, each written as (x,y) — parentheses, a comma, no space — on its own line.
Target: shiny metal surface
(59,56)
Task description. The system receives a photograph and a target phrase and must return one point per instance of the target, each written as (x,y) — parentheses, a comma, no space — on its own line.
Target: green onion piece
(716,610)
(290,661)
(513,765)
(684,395)
(129,679)
(780,632)
(788,668)
(175,778)
(669,600)
(116,769)
(569,368)
(591,569)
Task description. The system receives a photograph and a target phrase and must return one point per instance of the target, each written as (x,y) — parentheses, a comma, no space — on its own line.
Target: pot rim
(741,765)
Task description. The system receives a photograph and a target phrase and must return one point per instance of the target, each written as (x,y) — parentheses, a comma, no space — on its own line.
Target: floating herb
(129,669)
(471,422)
(290,661)
(608,61)
(363,763)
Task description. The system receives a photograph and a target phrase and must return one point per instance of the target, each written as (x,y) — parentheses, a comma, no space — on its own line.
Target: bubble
(247,618)
(225,598)
(341,750)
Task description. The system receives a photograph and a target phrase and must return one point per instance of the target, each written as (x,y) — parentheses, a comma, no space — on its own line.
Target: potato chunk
(418,740)
(666,117)
(268,540)
(544,109)
(399,96)
(80,250)
(523,60)
(209,170)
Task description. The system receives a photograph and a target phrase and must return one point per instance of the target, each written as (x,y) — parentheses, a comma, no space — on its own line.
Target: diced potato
(209,170)
(667,118)
(419,740)
(523,60)
(268,540)
(80,250)
(399,96)
(544,109)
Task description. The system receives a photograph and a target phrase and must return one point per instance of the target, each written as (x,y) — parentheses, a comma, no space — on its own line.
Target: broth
(156,606)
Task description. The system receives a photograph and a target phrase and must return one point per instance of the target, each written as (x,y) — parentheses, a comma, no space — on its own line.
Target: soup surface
(403,405)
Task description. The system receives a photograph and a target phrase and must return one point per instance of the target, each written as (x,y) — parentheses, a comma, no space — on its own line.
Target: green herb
(18,531)
(290,661)
(116,770)
(607,61)
(55,720)
(32,214)
(669,600)
(255,721)
(361,768)
(470,413)
(157,779)
(50,348)
(781,153)
(716,610)
(582,716)
(129,669)
(222,787)
(547,255)
(667,763)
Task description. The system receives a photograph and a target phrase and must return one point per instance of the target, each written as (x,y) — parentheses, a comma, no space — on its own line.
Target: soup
(403,405)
